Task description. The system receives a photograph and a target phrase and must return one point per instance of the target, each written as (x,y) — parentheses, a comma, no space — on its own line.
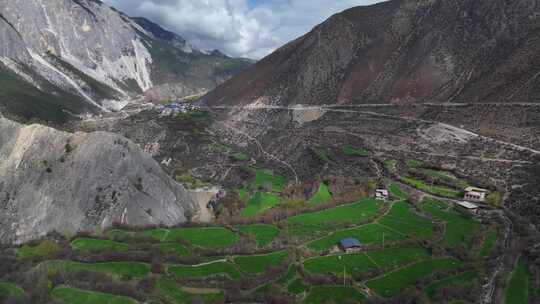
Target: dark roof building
(349,243)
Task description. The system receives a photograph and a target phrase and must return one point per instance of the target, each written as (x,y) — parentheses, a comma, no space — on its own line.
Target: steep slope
(403,51)
(88,49)
(56,181)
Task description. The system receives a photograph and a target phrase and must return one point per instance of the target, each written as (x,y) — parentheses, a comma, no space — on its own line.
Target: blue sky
(240,28)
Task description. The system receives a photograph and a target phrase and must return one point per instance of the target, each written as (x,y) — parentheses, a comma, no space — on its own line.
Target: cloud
(240,28)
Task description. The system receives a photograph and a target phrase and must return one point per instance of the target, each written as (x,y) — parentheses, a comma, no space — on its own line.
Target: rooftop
(475,189)
(468,205)
(350,243)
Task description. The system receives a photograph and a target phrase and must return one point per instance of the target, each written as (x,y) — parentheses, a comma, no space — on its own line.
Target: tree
(494,199)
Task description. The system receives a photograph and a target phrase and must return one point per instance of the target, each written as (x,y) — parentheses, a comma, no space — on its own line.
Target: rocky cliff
(400,52)
(57,181)
(95,56)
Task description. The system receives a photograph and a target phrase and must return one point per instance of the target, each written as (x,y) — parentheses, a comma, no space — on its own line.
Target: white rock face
(57,181)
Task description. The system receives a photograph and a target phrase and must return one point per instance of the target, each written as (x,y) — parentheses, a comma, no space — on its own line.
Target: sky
(238,28)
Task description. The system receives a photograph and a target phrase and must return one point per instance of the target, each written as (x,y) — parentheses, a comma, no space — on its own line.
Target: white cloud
(246,28)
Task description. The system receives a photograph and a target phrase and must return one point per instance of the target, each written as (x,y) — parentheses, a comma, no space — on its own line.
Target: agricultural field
(403,219)
(462,279)
(354,152)
(118,269)
(322,196)
(255,264)
(218,268)
(265,179)
(173,293)
(517,289)
(396,191)
(68,295)
(336,294)
(431,189)
(259,203)
(263,234)
(11,290)
(97,245)
(488,244)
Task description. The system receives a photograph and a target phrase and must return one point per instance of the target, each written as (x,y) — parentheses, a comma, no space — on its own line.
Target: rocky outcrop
(403,52)
(57,181)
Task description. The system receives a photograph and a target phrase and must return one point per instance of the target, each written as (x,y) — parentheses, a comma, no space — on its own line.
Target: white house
(473,194)
(381,194)
(469,207)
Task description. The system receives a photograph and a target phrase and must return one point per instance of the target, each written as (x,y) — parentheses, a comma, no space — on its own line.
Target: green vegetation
(97,245)
(45,250)
(259,203)
(458,229)
(390,165)
(323,155)
(517,289)
(297,286)
(260,263)
(175,248)
(366,234)
(413,163)
(240,156)
(489,242)
(207,270)
(69,295)
(243,194)
(333,294)
(445,176)
(402,218)
(396,191)
(265,179)
(391,283)
(11,290)
(322,196)
(190,181)
(462,279)
(435,190)
(494,199)
(174,294)
(122,269)
(357,264)
(263,234)
(354,152)
(322,222)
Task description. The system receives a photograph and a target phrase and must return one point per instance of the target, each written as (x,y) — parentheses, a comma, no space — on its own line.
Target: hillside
(402,52)
(95,58)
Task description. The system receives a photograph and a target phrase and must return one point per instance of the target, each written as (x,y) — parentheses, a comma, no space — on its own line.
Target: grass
(357,264)
(445,176)
(70,295)
(240,156)
(396,191)
(174,294)
(297,286)
(12,290)
(323,155)
(259,203)
(44,250)
(209,270)
(458,229)
(390,165)
(263,234)
(333,294)
(393,282)
(122,269)
(489,242)
(354,152)
(265,179)
(322,196)
(291,273)
(402,218)
(517,289)
(322,222)
(175,248)
(435,190)
(243,194)
(461,279)
(256,264)
(366,234)
(96,245)
(413,163)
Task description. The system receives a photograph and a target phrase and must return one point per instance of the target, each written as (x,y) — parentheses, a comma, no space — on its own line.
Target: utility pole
(343,276)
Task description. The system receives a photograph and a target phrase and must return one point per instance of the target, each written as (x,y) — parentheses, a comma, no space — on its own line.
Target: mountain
(403,52)
(56,181)
(62,57)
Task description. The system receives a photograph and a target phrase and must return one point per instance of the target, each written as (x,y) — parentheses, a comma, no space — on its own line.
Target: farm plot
(402,218)
(517,289)
(396,191)
(12,290)
(263,234)
(175,248)
(97,245)
(255,264)
(259,203)
(458,229)
(366,234)
(462,279)
(435,190)
(122,269)
(68,295)
(333,294)
(207,270)
(393,282)
(169,290)
(322,222)
(489,241)
(322,196)
(265,179)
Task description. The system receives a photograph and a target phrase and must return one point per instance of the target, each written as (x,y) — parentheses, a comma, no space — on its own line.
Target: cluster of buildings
(175,108)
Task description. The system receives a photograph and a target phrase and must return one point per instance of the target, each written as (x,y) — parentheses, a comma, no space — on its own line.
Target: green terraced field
(517,289)
(396,191)
(458,229)
(69,295)
(263,234)
(333,294)
(435,190)
(259,203)
(175,248)
(260,263)
(322,196)
(267,180)
(354,152)
(462,279)
(356,264)
(12,290)
(174,294)
(208,270)
(123,269)
(97,245)
(402,218)
(393,282)
(297,286)
(366,234)
(489,242)
(317,223)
